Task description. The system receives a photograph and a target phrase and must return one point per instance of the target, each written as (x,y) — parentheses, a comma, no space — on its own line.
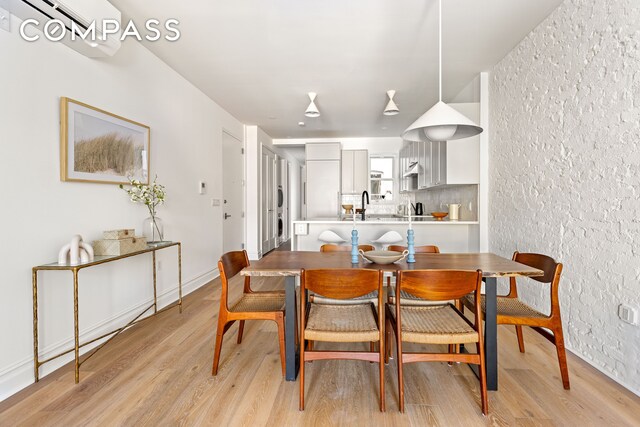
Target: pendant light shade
(441,122)
(391,109)
(312,110)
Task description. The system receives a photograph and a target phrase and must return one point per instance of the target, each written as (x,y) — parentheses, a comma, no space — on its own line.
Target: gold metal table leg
(76,328)
(180,276)
(36,363)
(155,289)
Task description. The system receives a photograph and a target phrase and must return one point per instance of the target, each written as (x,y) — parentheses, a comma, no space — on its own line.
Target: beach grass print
(112,153)
(98,146)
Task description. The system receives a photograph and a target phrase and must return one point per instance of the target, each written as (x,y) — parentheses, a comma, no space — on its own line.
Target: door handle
(226,215)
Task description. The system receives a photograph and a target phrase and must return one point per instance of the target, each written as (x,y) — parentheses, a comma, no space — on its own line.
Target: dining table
(289,264)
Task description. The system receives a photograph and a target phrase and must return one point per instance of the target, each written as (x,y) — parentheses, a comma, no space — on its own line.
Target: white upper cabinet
(355,171)
(323,151)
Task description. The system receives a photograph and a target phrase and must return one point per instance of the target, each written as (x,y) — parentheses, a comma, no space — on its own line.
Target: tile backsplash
(375,207)
(436,199)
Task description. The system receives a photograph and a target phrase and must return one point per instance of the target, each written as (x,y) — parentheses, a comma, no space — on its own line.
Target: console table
(76,330)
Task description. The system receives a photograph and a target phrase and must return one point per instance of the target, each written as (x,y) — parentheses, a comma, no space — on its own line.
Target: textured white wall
(565,170)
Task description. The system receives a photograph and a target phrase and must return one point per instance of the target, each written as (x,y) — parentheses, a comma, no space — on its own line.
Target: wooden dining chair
(437,324)
(263,305)
(344,248)
(512,311)
(406,298)
(365,299)
(424,249)
(341,323)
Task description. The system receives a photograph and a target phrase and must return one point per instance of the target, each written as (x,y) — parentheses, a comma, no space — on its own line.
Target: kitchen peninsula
(449,236)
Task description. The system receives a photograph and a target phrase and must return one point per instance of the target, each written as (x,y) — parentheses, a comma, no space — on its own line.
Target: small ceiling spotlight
(312,110)
(300,123)
(391,109)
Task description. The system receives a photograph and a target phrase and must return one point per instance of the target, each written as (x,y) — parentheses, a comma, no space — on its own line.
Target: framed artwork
(98,146)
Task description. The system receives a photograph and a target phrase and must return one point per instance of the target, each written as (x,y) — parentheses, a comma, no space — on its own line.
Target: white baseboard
(20,375)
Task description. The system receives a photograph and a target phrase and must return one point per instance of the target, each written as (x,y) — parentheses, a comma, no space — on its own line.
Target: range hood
(412,170)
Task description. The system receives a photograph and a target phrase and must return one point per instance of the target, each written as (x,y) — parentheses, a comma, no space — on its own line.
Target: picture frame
(101,147)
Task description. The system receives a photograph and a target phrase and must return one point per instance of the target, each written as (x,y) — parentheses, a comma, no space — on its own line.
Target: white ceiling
(258,59)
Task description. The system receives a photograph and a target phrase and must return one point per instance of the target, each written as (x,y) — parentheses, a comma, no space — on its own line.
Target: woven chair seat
(511,307)
(371,297)
(341,323)
(435,325)
(259,302)
(411,300)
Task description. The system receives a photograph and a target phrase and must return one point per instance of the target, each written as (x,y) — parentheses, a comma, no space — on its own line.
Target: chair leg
(520,338)
(451,351)
(301,373)
(400,372)
(218,346)
(387,341)
(381,363)
(240,331)
(483,379)
(562,357)
(280,322)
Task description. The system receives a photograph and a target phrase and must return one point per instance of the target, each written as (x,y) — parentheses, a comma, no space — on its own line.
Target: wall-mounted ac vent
(84,14)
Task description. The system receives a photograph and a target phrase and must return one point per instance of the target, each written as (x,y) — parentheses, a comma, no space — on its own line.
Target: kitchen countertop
(382,219)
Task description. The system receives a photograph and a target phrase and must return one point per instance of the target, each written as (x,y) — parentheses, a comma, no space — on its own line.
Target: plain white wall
(565,171)
(40,213)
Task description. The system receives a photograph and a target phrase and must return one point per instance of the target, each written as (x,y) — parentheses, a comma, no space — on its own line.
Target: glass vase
(153,229)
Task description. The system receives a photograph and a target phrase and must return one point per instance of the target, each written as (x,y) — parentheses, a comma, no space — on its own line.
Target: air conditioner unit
(82,13)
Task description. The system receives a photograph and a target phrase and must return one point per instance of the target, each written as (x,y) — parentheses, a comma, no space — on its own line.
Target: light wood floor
(159,373)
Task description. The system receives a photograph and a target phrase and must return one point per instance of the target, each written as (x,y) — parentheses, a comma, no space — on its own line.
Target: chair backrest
(344,248)
(438,285)
(342,283)
(552,271)
(425,249)
(541,262)
(230,264)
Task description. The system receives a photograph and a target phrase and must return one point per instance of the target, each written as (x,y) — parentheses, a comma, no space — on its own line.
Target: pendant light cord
(440,50)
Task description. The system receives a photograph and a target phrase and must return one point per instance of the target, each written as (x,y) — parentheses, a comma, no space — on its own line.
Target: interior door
(233,194)
(267,200)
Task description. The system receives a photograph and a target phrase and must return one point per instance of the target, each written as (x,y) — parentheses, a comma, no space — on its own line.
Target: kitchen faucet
(364,193)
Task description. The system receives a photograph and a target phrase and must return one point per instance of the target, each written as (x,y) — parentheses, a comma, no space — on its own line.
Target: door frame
(243,145)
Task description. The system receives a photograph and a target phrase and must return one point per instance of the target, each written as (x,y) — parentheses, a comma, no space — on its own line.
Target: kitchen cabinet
(323,173)
(323,151)
(355,171)
(323,188)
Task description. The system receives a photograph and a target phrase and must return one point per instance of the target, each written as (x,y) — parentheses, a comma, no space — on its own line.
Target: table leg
(36,363)
(491,332)
(76,328)
(292,361)
(155,288)
(180,276)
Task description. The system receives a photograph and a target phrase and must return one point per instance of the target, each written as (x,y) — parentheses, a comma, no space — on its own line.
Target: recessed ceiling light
(300,123)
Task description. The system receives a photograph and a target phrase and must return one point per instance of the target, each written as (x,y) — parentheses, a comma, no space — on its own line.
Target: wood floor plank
(159,373)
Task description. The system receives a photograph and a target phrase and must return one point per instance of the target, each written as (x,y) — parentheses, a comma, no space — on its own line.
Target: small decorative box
(119,246)
(119,234)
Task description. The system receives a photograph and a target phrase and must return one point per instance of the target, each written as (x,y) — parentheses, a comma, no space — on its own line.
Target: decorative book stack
(119,242)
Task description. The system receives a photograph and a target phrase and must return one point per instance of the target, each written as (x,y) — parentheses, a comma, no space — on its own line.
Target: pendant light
(441,122)
(391,109)
(312,110)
